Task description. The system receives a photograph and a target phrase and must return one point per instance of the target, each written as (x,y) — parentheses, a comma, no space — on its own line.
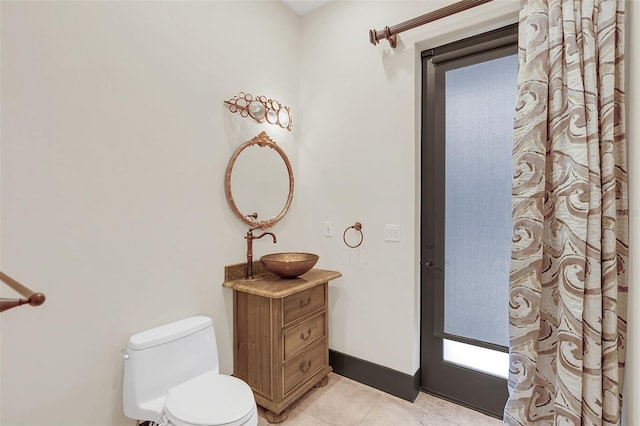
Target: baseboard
(399,384)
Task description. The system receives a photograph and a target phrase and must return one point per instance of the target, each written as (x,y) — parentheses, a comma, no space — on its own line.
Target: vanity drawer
(301,336)
(300,304)
(304,366)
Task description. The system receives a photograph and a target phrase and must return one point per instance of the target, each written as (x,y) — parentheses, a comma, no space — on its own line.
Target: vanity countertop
(270,285)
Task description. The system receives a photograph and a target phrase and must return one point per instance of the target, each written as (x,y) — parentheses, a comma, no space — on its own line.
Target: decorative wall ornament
(261,109)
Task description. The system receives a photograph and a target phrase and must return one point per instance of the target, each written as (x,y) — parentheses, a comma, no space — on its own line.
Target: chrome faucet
(249,237)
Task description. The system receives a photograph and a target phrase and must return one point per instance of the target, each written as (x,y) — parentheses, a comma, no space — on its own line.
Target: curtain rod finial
(373,38)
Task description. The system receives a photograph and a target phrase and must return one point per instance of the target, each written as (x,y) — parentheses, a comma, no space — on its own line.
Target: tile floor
(345,402)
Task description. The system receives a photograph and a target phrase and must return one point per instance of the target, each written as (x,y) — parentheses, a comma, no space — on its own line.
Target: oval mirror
(259,182)
(256,110)
(272,117)
(283,117)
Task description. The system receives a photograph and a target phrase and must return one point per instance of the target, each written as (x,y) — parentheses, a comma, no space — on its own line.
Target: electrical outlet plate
(392,232)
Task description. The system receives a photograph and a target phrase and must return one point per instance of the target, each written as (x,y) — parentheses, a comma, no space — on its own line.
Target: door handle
(429,264)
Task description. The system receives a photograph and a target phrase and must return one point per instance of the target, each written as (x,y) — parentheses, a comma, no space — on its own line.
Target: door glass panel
(479,107)
(486,360)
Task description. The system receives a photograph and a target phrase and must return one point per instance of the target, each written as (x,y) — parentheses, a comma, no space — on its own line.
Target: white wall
(359,162)
(114,147)
(114,144)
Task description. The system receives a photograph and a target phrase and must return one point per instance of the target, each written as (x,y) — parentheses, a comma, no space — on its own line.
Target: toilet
(172,377)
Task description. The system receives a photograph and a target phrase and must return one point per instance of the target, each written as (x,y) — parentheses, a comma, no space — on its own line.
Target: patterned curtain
(568,283)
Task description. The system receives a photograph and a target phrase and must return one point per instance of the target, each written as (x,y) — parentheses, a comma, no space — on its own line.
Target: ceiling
(304,6)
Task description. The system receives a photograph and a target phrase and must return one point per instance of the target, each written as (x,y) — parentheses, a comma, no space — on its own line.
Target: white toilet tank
(163,357)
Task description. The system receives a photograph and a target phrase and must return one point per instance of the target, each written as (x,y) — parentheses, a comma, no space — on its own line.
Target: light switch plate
(328,229)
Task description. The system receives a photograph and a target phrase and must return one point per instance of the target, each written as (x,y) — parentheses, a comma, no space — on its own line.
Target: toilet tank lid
(168,332)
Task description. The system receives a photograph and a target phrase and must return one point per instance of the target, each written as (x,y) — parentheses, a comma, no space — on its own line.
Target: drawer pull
(305,366)
(308,335)
(303,304)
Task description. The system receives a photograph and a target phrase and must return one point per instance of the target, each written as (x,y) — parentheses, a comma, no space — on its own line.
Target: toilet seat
(211,399)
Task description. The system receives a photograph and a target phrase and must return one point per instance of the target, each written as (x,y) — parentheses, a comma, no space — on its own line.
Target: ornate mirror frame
(262,140)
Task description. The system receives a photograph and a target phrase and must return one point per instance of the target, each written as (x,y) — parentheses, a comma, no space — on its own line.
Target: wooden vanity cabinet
(281,337)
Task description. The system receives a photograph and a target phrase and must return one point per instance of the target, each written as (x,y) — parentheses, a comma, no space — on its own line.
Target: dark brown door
(468,103)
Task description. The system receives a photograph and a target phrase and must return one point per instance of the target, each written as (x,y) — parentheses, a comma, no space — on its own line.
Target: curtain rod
(32,298)
(390,32)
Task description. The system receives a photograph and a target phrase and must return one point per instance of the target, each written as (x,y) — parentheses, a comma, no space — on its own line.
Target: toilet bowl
(171,377)
(211,399)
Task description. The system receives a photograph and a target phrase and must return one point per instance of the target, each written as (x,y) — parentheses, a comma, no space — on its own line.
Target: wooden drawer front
(304,366)
(302,303)
(301,336)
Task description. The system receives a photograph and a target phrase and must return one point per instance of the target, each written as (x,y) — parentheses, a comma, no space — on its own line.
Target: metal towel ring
(358,227)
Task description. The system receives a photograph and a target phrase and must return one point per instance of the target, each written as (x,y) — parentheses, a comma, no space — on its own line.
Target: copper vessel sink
(289,265)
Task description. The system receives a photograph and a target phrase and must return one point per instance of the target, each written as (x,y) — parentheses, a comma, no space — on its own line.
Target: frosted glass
(479,106)
(477,358)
